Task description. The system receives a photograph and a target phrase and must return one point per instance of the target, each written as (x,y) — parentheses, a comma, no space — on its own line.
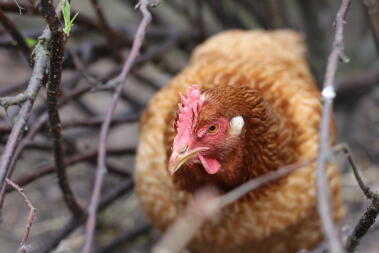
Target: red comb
(188,109)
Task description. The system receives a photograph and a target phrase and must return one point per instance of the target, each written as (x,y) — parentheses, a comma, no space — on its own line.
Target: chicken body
(279,218)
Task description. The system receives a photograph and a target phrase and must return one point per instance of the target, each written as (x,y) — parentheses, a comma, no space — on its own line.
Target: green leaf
(68,21)
(30,42)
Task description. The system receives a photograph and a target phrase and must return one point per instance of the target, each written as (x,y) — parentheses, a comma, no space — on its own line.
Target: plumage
(258,84)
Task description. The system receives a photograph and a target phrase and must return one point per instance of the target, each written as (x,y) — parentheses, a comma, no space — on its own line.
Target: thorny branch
(23,247)
(101,162)
(328,94)
(53,91)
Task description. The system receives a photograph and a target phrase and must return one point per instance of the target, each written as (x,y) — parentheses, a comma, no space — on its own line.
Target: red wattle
(211,165)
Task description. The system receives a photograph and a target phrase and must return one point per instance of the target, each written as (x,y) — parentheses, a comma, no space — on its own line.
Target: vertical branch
(328,94)
(101,161)
(372,9)
(17,36)
(31,215)
(53,92)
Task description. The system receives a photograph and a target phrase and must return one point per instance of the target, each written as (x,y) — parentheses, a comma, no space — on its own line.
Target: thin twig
(179,234)
(41,122)
(93,122)
(256,8)
(107,30)
(49,169)
(364,224)
(125,237)
(19,99)
(17,87)
(108,199)
(17,36)
(346,151)
(53,91)
(28,9)
(355,85)
(368,218)
(315,36)
(274,10)
(83,71)
(41,57)
(101,161)
(328,94)
(31,215)
(97,121)
(372,9)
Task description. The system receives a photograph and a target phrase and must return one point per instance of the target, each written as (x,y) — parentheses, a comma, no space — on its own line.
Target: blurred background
(98,43)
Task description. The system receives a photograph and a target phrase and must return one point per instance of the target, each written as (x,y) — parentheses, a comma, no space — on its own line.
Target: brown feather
(283,114)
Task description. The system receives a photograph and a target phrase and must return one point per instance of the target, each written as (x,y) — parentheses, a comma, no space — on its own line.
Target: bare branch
(125,237)
(41,56)
(14,88)
(17,36)
(365,189)
(372,9)
(368,218)
(328,94)
(108,199)
(53,91)
(352,86)
(364,224)
(31,215)
(101,162)
(15,100)
(181,232)
(47,170)
(107,29)
(83,71)
(94,122)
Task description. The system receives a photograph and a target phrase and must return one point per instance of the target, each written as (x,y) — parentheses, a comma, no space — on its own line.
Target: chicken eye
(213,129)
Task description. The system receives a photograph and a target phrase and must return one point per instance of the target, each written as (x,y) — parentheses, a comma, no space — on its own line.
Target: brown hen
(254,108)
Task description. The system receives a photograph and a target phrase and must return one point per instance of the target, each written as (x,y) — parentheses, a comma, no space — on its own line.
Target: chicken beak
(177,159)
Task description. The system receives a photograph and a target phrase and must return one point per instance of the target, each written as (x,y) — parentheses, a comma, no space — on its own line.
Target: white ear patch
(203,97)
(236,125)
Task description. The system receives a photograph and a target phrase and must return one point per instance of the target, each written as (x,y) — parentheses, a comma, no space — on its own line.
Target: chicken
(249,106)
